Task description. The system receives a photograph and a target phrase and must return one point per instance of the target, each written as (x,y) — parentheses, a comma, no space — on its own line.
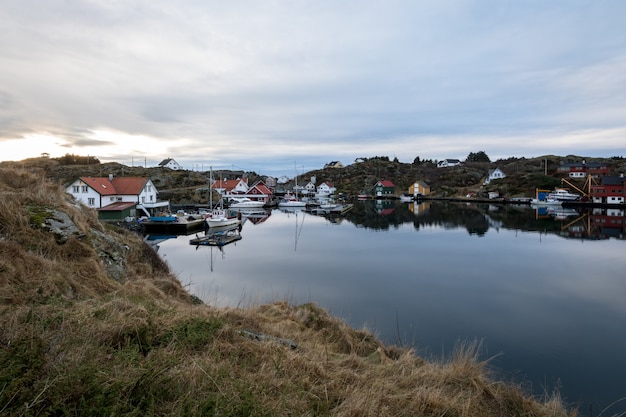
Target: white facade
(85,194)
(310,188)
(448,163)
(325,188)
(100,193)
(494,174)
(171,164)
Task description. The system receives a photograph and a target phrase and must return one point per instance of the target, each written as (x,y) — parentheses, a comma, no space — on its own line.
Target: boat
(245,203)
(563,194)
(222,237)
(289,200)
(219,217)
(406,198)
(542,198)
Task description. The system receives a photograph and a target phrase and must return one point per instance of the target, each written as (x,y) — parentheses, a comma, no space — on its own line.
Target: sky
(277,86)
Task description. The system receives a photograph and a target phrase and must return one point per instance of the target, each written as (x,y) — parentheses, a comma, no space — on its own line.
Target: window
(84,188)
(91,201)
(75,188)
(151,198)
(143,199)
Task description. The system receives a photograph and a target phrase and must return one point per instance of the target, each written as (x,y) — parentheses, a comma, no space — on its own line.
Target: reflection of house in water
(598,224)
(384,207)
(419,208)
(607,223)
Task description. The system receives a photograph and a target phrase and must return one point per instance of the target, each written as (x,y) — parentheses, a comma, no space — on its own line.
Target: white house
(171,164)
(230,187)
(333,164)
(494,174)
(326,188)
(309,188)
(100,192)
(448,163)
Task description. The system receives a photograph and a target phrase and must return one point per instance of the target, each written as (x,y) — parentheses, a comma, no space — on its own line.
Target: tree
(479,156)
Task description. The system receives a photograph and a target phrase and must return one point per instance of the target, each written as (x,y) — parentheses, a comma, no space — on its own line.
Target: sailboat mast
(211,187)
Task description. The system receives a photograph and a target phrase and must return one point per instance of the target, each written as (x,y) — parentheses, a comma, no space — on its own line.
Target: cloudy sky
(277,85)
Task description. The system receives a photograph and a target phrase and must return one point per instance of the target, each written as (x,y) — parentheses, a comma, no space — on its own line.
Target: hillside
(523,176)
(94,323)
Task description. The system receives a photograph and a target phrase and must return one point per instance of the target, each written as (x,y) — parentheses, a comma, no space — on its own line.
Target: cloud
(260,82)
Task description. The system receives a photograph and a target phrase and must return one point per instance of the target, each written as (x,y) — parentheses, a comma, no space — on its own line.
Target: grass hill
(94,323)
(523,176)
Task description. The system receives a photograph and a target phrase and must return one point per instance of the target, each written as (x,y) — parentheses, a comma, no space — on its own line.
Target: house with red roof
(384,188)
(326,188)
(229,187)
(117,196)
(260,192)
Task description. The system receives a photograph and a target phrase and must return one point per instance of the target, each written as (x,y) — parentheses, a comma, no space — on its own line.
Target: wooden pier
(217,238)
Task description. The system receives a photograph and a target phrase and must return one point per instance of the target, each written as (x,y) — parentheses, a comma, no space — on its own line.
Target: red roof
(386,183)
(118,186)
(228,185)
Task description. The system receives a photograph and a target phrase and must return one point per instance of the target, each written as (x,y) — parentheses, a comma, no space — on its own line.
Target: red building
(583,169)
(610,190)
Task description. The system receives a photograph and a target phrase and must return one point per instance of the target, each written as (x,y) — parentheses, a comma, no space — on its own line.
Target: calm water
(545,292)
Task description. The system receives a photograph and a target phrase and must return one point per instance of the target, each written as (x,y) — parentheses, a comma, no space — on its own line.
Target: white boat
(290,201)
(406,198)
(220,218)
(563,194)
(245,203)
(542,198)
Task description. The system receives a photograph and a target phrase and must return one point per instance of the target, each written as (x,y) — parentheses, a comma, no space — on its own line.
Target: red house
(583,169)
(610,190)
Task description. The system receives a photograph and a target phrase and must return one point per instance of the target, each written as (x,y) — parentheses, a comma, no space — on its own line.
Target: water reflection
(477,219)
(545,290)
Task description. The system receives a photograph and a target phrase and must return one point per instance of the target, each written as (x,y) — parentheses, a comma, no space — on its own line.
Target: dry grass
(80,337)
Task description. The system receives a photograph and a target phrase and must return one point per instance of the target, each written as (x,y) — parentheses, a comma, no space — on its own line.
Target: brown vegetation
(93,323)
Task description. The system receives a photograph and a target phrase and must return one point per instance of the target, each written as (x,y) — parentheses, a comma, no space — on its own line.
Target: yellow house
(419,188)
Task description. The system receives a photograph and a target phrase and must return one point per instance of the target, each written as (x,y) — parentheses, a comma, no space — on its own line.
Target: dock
(175,226)
(218,238)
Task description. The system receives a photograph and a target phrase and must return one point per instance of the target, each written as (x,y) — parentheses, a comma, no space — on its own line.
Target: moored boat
(245,202)
(220,217)
(563,194)
(290,200)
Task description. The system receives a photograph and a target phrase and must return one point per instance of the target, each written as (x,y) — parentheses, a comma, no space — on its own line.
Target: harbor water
(543,290)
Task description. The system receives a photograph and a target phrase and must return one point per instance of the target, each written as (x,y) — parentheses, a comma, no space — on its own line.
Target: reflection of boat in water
(254,216)
(561,213)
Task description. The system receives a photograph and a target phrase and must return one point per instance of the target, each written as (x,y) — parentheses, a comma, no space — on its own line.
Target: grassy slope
(93,323)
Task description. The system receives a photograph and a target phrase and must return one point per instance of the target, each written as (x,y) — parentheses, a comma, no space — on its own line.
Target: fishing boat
(219,217)
(542,198)
(563,194)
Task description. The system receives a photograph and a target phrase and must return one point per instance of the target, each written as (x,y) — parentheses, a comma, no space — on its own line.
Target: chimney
(110,177)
